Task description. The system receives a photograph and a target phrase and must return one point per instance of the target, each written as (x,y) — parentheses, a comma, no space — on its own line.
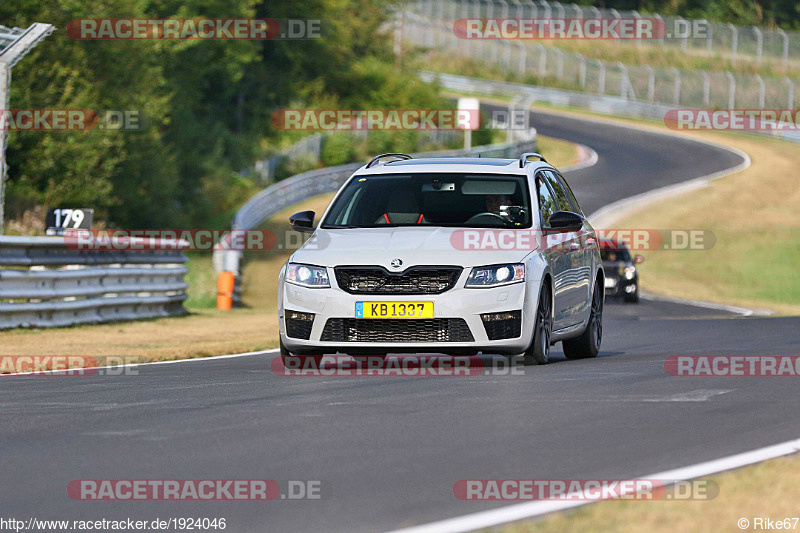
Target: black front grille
(298,325)
(503,325)
(396,330)
(415,280)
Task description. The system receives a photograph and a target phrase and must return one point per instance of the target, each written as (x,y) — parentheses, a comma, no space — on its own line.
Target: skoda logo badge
(396,263)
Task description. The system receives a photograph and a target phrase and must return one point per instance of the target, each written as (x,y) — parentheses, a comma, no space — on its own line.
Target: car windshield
(619,253)
(436,199)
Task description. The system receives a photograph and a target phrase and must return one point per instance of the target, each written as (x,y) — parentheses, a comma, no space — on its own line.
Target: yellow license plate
(394,309)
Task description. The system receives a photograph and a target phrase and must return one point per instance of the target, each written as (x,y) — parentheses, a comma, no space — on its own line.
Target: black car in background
(622,277)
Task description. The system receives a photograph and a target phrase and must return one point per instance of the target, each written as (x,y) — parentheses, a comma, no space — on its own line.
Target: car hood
(413,246)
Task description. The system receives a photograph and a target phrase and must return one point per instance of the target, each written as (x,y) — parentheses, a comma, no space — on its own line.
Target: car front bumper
(457,303)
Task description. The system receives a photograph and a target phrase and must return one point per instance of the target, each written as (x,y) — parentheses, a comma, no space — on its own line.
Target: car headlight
(492,276)
(307,275)
(630,272)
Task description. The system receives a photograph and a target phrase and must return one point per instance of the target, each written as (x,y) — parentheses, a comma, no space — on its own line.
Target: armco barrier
(43,283)
(290,191)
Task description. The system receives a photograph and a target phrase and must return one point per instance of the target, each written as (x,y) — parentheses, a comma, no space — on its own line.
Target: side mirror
(565,221)
(303,221)
(638,259)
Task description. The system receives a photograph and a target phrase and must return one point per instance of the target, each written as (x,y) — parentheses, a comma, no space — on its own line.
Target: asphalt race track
(389,450)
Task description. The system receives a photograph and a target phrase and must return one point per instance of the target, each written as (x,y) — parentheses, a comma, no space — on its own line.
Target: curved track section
(389,450)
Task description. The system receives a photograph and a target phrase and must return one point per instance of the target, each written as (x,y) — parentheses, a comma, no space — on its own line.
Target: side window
(547,205)
(568,190)
(562,200)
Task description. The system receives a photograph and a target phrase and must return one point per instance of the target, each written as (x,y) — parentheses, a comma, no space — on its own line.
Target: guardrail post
(734,41)
(560,63)
(623,87)
(542,59)
(762,90)
(582,71)
(663,26)
(523,57)
(5,83)
(709,37)
(534,9)
(518,9)
(512,107)
(759,44)
(651,83)
(685,38)
(790,94)
(601,78)
(677,89)
(560,9)
(731,90)
(785,48)
(505,8)
(706,87)
(616,15)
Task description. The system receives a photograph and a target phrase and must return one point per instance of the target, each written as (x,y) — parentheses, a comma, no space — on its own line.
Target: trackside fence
(45,283)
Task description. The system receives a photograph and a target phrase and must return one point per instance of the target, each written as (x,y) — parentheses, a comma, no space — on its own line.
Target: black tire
(538,353)
(588,344)
(291,360)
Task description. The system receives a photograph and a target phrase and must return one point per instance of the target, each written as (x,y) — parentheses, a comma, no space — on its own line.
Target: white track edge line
(132,365)
(512,513)
(744,311)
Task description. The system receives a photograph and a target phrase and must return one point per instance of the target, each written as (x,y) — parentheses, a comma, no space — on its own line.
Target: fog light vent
(507,325)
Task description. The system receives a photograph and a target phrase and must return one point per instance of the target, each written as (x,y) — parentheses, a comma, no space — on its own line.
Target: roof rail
(524,158)
(377,158)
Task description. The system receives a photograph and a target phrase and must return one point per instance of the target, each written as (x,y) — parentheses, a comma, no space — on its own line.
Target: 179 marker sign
(61,219)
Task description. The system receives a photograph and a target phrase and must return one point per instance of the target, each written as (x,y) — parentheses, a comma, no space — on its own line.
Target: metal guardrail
(45,283)
(603,104)
(290,191)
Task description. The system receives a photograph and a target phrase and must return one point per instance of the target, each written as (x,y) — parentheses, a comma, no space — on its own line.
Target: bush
(338,149)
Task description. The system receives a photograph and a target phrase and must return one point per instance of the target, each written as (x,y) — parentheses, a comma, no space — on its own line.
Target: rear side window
(561,197)
(570,196)
(547,204)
